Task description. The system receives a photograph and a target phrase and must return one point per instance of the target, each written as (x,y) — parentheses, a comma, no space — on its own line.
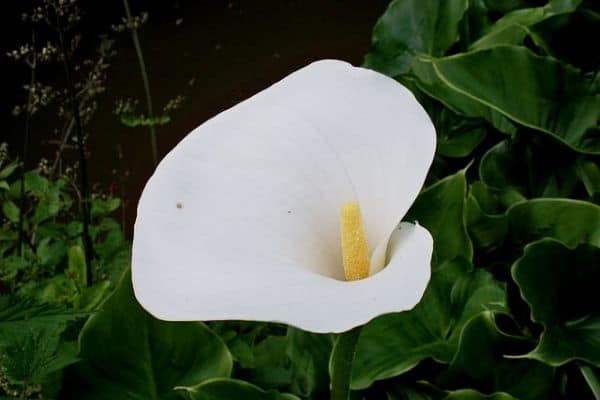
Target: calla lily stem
(591,380)
(340,364)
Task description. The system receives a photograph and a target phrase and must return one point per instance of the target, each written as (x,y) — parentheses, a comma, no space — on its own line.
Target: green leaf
(11,211)
(309,356)
(560,31)
(531,169)
(514,27)
(133,121)
(31,338)
(269,363)
(440,209)
(6,171)
(91,297)
(505,83)
(560,286)
(409,27)
(221,389)
(589,173)
(128,354)
(424,391)
(414,391)
(36,352)
(592,378)
(469,394)
(46,208)
(393,344)
(57,289)
(36,184)
(102,207)
(457,136)
(11,266)
(480,362)
(15,310)
(77,269)
(570,221)
(475,22)
(486,228)
(51,252)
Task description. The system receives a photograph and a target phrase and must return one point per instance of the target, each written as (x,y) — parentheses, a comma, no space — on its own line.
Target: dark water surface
(232,49)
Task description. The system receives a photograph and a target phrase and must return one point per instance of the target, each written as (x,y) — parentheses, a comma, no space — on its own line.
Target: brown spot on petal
(179,206)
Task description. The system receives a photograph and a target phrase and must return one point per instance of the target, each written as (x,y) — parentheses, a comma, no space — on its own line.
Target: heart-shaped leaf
(424,391)
(569,221)
(309,356)
(393,344)
(560,286)
(440,209)
(409,27)
(515,26)
(533,168)
(479,362)
(128,354)
(469,394)
(485,83)
(221,389)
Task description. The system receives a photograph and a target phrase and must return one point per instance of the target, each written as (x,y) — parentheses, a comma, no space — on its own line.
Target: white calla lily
(241,220)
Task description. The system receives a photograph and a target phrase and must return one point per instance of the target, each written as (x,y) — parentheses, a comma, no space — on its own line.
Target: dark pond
(232,49)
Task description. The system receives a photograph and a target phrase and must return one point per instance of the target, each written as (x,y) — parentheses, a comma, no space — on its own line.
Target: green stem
(592,380)
(340,364)
(140,57)
(85,190)
(21,237)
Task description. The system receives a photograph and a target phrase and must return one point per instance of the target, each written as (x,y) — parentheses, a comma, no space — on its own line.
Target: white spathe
(240,221)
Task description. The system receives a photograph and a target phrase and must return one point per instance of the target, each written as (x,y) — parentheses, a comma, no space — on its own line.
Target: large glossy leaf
(506,83)
(533,168)
(469,394)
(309,357)
(480,363)
(560,286)
(457,136)
(393,344)
(515,26)
(440,209)
(222,389)
(589,173)
(592,378)
(269,366)
(409,27)
(424,391)
(560,31)
(486,225)
(475,22)
(570,221)
(128,354)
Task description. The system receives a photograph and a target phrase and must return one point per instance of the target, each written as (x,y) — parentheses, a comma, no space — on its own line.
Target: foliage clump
(511,311)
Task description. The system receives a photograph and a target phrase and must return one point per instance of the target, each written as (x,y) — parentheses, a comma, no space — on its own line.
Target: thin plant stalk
(32,66)
(122,189)
(85,191)
(142,64)
(340,364)
(592,381)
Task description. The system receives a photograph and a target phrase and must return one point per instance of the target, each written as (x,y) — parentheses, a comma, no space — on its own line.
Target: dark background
(232,49)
